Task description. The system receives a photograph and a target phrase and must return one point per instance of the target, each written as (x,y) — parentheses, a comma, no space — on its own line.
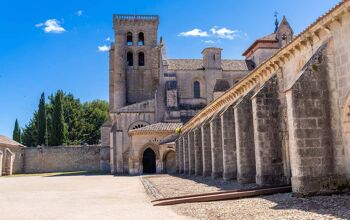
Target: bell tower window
(130,58)
(141,59)
(129,39)
(141,40)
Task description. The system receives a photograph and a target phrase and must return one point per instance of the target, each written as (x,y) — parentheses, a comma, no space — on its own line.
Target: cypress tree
(42,122)
(16,132)
(59,130)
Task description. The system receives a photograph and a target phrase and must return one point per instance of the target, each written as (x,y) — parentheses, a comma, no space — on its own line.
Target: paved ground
(278,206)
(77,197)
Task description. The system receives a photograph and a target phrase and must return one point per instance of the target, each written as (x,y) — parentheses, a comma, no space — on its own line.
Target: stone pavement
(78,197)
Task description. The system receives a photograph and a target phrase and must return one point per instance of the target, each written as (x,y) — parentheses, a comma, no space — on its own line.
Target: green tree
(59,129)
(30,132)
(17,132)
(42,122)
(95,114)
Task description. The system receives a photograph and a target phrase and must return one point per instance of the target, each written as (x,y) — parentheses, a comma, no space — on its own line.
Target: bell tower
(134,59)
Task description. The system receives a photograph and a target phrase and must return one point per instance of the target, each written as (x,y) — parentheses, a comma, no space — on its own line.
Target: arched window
(141,40)
(129,39)
(141,59)
(130,58)
(196,89)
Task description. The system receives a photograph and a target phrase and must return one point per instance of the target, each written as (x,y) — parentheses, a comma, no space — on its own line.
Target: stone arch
(130,58)
(138,124)
(169,161)
(129,38)
(141,58)
(201,87)
(141,39)
(152,146)
(146,148)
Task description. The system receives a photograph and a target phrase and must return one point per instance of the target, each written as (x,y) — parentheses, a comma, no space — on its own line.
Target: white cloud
(194,33)
(224,33)
(215,32)
(103,48)
(79,13)
(51,26)
(209,41)
(108,39)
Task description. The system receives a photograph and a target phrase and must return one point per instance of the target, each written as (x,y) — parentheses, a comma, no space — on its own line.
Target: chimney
(212,58)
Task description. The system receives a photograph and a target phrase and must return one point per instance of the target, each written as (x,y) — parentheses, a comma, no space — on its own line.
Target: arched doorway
(170,162)
(149,161)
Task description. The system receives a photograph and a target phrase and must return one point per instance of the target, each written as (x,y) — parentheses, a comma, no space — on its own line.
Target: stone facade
(292,112)
(147,88)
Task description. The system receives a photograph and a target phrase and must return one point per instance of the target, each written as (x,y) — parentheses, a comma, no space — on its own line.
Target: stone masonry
(288,121)
(229,144)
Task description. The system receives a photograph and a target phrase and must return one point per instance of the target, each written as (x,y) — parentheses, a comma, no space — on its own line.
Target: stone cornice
(316,32)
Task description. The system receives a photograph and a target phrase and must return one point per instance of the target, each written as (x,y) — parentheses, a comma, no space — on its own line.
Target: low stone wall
(66,158)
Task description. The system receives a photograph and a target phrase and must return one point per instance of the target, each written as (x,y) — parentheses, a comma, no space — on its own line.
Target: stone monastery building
(281,116)
(151,95)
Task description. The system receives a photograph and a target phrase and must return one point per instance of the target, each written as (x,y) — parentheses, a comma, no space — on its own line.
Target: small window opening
(196,89)
(141,59)
(141,40)
(130,58)
(129,39)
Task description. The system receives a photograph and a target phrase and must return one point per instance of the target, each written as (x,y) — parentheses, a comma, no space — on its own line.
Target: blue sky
(50,45)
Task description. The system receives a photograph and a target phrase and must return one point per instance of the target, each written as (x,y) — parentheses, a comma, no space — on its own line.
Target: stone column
(245,141)
(181,155)
(206,149)
(310,133)
(185,151)
(268,135)
(216,147)
(191,159)
(177,156)
(229,144)
(198,153)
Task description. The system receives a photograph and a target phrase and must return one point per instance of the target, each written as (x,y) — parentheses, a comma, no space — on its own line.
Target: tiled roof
(170,138)
(221,85)
(160,127)
(8,142)
(270,37)
(196,64)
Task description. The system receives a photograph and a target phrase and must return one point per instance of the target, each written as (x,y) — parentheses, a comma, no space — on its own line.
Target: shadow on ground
(331,206)
(77,173)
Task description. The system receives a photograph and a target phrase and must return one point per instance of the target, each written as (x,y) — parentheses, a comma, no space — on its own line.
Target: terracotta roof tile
(197,64)
(159,127)
(8,142)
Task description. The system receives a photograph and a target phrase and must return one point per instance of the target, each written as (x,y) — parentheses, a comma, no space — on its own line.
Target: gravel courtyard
(77,197)
(279,206)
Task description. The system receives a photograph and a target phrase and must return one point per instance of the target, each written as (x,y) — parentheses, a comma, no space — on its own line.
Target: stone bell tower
(134,60)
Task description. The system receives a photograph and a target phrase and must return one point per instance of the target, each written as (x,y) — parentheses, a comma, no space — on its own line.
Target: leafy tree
(17,132)
(68,121)
(95,114)
(59,129)
(42,122)
(30,132)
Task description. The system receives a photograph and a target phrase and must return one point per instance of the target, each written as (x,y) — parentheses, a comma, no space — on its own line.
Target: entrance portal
(149,161)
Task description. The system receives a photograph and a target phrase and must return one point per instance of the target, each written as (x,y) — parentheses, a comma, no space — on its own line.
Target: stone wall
(18,151)
(70,158)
